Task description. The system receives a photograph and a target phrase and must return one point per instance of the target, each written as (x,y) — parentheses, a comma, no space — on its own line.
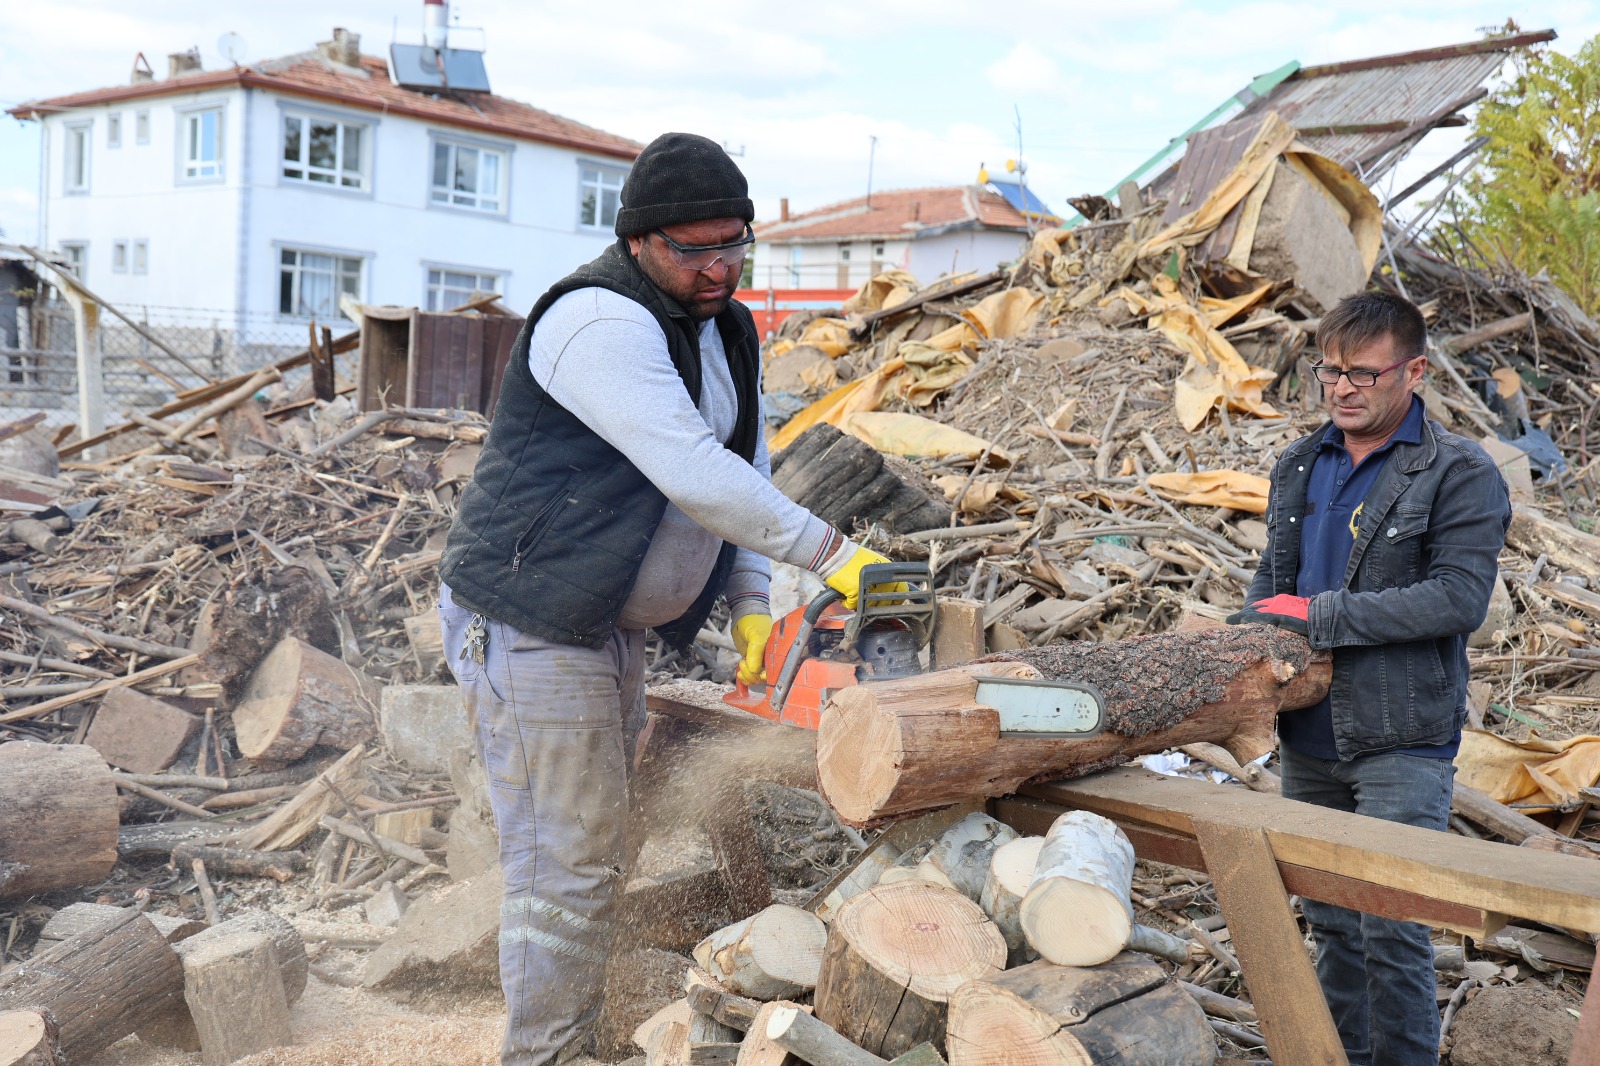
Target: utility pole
(872,151)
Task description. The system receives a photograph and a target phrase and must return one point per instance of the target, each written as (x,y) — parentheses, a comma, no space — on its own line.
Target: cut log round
(1010,873)
(895,955)
(300,697)
(958,858)
(915,743)
(757,1050)
(28,1038)
(100,985)
(1125,1011)
(60,817)
(1077,910)
(773,954)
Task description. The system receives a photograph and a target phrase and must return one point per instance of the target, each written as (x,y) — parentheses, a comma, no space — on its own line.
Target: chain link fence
(171,350)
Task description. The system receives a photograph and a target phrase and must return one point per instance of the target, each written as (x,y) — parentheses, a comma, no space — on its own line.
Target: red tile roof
(899,214)
(309,74)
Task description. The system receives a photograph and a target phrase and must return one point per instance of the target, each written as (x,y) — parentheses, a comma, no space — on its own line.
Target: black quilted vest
(552,528)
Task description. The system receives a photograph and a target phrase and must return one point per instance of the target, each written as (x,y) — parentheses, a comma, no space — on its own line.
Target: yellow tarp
(832,335)
(1005,314)
(1530,771)
(1274,137)
(981,495)
(862,394)
(1214,375)
(917,437)
(1215,488)
(882,290)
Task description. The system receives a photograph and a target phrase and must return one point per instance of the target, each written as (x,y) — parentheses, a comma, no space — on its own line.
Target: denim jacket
(1419,579)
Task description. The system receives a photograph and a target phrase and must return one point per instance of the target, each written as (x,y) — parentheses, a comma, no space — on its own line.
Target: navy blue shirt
(1335,499)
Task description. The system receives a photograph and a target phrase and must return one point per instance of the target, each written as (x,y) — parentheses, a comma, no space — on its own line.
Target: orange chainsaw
(818,649)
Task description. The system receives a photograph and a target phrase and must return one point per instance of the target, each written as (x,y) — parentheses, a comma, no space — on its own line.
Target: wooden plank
(1178,849)
(1497,878)
(1295,1019)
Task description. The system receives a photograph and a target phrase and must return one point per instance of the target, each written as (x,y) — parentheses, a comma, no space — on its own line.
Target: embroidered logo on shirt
(1355,521)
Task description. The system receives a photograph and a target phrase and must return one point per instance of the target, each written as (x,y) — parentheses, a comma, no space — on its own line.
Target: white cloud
(1025,69)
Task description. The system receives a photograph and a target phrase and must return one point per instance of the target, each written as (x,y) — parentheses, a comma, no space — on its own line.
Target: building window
(119,257)
(324,151)
(202,145)
(452,288)
(310,283)
(76,253)
(114,130)
(141,256)
(77,158)
(141,127)
(599,192)
(794,266)
(464,176)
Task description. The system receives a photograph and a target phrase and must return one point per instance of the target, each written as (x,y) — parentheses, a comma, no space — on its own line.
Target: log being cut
(58,817)
(894,747)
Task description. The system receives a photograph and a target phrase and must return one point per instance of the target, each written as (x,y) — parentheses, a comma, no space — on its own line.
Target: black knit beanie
(682,177)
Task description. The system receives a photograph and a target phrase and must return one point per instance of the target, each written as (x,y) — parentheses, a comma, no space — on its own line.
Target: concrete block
(1304,234)
(234,991)
(139,733)
(452,933)
(423,724)
(1502,612)
(387,906)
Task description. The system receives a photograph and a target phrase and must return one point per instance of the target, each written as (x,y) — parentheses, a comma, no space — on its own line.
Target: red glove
(1288,612)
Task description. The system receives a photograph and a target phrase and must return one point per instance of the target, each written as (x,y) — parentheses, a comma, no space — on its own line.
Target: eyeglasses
(706,256)
(1361,379)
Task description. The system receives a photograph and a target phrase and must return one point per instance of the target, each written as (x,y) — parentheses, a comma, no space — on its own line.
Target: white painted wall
(926,258)
(216,245)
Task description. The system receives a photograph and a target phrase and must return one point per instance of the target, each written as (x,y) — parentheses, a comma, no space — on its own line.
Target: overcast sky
(800,90)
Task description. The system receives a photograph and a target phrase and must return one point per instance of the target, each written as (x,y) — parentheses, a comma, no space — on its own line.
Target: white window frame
(297,270)
(75,149)
(77,255)
(139,260)
(193,170)
(141,126)
(599,177)
(435,285)
(300,172)
(448,197)
(119,257)
(114,129)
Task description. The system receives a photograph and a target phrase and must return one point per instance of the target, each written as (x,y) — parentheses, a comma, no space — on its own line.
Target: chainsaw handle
(797,648)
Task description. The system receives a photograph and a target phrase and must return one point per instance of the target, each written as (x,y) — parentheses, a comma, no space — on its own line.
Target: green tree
(1534,200)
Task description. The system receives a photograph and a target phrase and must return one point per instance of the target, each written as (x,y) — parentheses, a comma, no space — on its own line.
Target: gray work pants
(555,727)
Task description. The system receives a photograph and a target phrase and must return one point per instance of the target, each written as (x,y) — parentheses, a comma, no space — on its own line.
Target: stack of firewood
(972,946)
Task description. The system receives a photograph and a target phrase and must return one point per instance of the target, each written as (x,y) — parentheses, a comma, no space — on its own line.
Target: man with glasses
(624,486)
(1384,538)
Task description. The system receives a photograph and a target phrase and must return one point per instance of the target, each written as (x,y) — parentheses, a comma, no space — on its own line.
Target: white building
(927,232)
(261,193)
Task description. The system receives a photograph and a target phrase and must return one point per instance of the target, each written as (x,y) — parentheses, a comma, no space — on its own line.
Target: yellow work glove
(750,634)
(847,579)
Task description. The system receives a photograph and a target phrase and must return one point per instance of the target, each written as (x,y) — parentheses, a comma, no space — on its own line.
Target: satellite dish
(231,45)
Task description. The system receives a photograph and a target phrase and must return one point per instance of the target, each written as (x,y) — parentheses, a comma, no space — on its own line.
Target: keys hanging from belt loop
(477,639)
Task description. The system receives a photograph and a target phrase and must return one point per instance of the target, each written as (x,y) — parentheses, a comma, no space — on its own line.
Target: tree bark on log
(28,1038)
(869,868)
(300,697)
(1010,873)
(843,480)
(77,918)
(895,955)
(1125,1011)
(60,821)
(958,858)
(896,747)
(1077,910)
(814,1042)
(774,954)
(100,985)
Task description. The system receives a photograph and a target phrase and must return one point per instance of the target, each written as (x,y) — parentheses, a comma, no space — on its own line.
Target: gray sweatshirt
(603,357)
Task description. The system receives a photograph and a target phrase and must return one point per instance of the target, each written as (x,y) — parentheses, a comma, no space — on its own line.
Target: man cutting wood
(624,486)
(1384,533)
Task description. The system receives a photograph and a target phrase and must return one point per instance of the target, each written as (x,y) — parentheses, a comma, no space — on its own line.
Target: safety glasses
(1361,379)
(706,256)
